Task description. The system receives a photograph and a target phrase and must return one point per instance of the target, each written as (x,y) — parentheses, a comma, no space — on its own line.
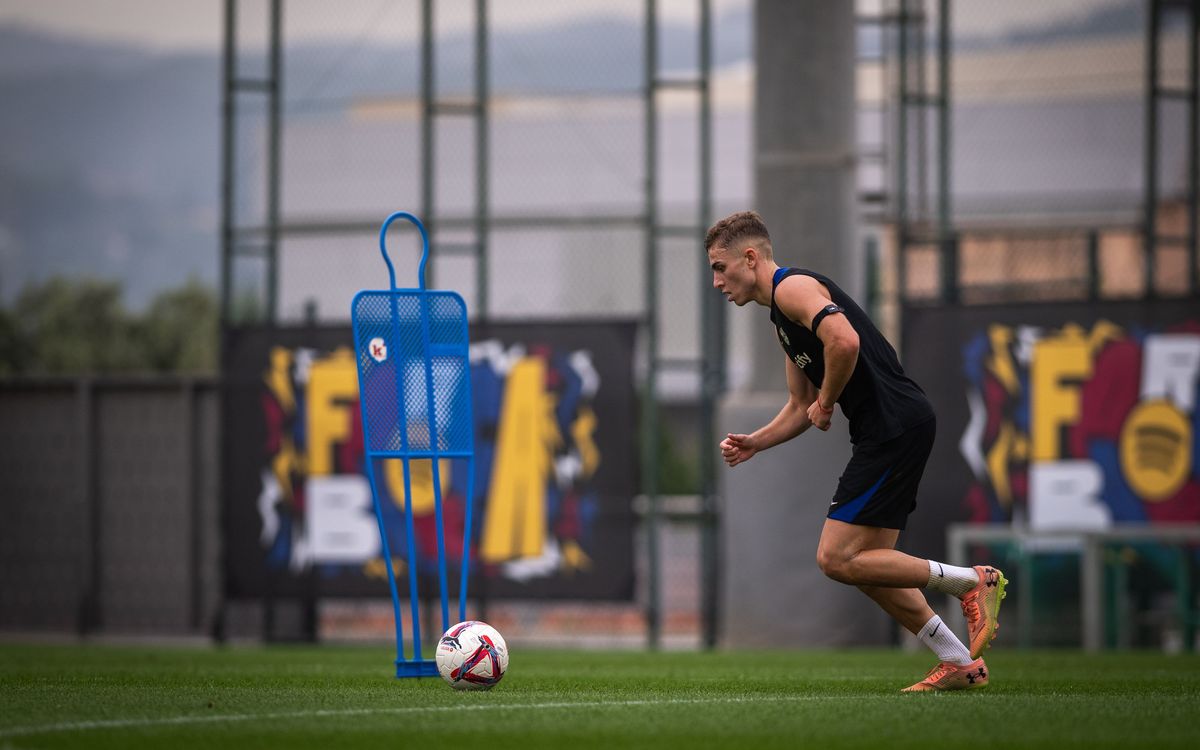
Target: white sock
(951,579)
(941,640)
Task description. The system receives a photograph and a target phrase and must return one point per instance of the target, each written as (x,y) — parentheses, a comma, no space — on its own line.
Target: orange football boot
(981,607)
(946,676)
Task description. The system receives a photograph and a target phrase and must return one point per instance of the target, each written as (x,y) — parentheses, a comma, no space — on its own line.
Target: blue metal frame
(418,666)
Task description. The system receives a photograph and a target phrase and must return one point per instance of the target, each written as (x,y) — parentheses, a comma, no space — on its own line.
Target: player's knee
(833,565)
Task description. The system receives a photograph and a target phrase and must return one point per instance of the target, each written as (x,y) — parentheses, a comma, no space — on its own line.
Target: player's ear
(751,255)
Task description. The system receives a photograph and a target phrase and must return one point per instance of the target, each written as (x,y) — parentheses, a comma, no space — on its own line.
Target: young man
(835,355)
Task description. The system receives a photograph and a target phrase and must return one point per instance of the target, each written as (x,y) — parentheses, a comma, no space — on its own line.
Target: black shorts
(879,486)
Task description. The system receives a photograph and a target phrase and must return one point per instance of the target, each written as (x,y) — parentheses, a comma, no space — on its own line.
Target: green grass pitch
(55,696)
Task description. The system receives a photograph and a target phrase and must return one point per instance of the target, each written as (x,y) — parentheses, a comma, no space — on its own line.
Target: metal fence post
(190,439)
(90,609)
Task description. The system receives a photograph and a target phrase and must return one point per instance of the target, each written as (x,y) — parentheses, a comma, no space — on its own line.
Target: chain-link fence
(563,172)
(542,144)
(1043,132)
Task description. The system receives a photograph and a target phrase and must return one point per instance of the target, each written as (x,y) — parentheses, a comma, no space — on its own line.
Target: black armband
(827,310)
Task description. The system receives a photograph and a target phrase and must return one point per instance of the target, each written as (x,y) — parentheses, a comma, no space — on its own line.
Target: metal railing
(1090,545)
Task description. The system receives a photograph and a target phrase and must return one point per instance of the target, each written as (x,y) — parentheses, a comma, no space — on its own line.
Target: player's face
(732,276)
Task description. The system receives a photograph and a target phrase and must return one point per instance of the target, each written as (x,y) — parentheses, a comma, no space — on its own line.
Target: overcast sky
(197,24)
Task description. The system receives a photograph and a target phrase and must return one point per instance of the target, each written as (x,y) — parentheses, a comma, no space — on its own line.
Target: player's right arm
(791,421)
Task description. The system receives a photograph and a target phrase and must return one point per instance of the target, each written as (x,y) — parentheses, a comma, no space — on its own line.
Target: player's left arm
(802,298)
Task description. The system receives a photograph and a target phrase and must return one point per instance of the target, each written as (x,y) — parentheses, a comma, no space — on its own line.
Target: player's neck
(764,282)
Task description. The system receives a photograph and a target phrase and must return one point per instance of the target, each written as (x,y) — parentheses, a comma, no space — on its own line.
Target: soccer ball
(472,656)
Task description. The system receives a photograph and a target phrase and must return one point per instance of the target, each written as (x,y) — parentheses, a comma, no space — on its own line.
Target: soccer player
(836,355)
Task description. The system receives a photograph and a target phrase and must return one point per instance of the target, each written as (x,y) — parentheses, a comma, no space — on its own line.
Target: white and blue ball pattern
(472,655)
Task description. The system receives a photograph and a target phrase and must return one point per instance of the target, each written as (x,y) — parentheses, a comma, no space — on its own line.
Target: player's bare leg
(866,557)
(906,606)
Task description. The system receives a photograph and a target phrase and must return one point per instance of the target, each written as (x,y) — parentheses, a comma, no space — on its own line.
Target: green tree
(14,349)
(179,330)
(80,326)
(75,327)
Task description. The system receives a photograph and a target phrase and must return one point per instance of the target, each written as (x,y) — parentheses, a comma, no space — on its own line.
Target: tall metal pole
(427,145)
(921,97)
(273,130)
(650,391)
(228,116)
(712,334)
(949,247)
(1193,145)
(481,160)
(1150,224)
(902,153)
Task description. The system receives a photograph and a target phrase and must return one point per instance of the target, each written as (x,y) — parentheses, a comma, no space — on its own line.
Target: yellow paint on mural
(573,556)
(376,570)
(581,432)
(1020,446)
(1001,362)
(420,479)
(1102,333)
(999,457)
(284,465)
(1059,365)
(278,380)
(332,391)
(515,520)
(1156,449)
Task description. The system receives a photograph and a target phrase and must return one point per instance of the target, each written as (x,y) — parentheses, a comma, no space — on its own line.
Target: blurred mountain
(108,164)
(26,50)
(1122,17)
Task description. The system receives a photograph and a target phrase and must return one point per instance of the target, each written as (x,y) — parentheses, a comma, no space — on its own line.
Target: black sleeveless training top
(879,401)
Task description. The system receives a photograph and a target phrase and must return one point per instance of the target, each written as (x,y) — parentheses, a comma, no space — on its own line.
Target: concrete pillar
(804,141)
(774,506)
